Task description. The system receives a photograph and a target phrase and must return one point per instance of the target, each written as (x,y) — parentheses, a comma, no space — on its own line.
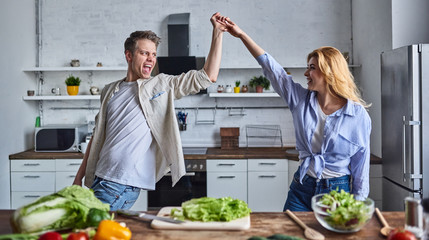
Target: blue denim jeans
(299,195)
(119,196)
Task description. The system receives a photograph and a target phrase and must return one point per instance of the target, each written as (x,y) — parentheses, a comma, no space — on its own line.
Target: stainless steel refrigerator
(405,124)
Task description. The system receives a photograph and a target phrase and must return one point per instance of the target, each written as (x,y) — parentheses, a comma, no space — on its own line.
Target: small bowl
(94,91)
(353,224)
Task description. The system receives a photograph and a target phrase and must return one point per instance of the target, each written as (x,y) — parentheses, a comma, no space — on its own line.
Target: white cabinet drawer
(65,165)
(32,165)
(63,179)
(227,165)
(227,184)
(19,199)
(267,191)
(33,181)
(278,165)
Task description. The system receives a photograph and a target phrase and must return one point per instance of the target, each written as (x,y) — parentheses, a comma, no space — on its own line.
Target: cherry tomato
(401,234)
(51,236)
(78,236)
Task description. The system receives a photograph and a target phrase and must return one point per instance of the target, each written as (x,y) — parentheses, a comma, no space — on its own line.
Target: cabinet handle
(226,177)
(31,164)
(31,196)
(72,176)
(31,176)
(267,176)
(74,164)
(186,174)
(226,164)
(266,163)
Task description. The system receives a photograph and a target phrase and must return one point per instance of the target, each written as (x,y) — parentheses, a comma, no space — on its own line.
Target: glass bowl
(342,220)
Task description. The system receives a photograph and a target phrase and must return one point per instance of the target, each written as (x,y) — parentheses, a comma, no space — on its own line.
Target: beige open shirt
(156,96)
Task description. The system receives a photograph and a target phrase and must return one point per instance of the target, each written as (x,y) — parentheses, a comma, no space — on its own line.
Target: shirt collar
(348,109)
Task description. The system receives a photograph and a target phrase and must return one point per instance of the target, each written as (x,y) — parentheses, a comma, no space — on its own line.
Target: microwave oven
(59,138)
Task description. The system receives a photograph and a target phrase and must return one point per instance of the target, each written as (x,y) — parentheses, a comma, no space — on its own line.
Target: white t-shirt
(316,145)
(128,155)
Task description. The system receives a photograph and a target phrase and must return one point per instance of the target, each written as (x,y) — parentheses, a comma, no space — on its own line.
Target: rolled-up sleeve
(282,83)
(188,83)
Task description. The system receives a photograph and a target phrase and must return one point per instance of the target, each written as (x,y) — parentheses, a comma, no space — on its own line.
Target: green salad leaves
(208,209)
(66,209)
(345,211)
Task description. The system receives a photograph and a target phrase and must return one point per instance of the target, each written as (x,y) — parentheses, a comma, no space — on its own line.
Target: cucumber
(257,238)
(279,236)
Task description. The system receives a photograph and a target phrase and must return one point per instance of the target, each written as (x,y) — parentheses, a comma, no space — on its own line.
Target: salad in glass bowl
(341,212)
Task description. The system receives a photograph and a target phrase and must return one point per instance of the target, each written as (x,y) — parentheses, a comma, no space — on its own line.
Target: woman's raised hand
(230,26)
(216,23)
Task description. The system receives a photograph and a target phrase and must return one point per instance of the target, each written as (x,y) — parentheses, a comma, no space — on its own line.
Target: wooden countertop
(262,224)
(212,153)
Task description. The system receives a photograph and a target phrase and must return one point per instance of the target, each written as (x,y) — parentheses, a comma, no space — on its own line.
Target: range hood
(178,59)
(178,34)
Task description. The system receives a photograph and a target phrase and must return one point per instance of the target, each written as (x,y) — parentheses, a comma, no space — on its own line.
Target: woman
(332,126)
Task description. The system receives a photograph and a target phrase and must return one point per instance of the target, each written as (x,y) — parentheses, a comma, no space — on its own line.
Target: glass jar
(220,88)
(228,89)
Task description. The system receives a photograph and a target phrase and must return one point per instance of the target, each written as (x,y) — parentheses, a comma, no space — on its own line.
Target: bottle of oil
(425,204)
(414,216)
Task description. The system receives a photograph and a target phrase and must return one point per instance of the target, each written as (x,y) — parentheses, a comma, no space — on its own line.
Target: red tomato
(51,236)
(78,236)
(401,234)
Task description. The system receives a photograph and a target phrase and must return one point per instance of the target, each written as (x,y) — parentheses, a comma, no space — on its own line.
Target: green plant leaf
(260,81)
(72,81)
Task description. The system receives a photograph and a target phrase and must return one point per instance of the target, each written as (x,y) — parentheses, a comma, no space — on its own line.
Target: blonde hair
(338,78)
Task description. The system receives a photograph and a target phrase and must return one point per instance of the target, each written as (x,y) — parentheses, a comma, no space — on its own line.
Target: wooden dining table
(262,224)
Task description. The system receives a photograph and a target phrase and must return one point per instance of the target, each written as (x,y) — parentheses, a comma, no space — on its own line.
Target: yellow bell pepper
(112,230)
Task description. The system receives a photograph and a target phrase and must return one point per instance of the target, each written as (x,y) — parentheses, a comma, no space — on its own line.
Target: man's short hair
(131,42)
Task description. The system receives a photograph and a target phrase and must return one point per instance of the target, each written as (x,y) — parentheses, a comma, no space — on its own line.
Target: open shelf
(74,69)
(285,67)
(76,97)
(241,95)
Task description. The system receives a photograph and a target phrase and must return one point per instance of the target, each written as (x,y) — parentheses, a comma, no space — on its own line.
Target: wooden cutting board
(237,224)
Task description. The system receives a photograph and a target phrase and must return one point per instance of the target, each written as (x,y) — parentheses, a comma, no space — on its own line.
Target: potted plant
(260,83)
(72,83)
(237,87)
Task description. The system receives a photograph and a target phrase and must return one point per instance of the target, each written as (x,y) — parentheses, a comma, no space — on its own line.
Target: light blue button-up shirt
(345,148)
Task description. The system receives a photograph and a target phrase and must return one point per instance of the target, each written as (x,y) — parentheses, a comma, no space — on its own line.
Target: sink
(194,150)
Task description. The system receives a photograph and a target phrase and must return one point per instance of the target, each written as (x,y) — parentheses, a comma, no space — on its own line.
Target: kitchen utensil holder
(264,132)
(205,122)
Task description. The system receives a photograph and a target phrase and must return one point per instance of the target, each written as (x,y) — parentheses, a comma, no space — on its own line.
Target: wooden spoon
(309,233)
(386,228)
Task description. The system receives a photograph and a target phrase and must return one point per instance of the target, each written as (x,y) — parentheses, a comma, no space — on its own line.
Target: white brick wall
(94,31)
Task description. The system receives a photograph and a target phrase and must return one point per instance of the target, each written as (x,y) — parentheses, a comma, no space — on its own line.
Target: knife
(131,213)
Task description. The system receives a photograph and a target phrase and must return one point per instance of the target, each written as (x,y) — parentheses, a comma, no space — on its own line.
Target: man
(136,139)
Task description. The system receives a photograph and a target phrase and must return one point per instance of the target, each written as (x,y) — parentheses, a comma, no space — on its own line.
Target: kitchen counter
(212,153)
(262,224)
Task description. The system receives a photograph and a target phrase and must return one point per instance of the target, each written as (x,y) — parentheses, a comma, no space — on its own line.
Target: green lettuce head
(66,209)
